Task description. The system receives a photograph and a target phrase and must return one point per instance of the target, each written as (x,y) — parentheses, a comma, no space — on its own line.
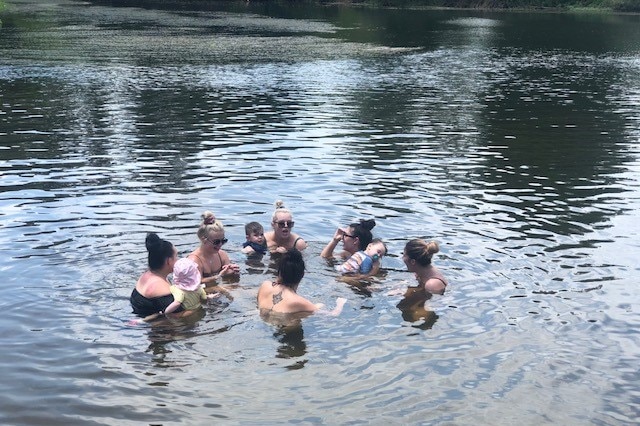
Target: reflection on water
(290,334)
(509,138)
(292,343)
(413,307)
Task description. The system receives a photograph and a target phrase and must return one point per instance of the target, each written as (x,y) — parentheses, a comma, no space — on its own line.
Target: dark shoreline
(604,6)
(572,8)
(541,5)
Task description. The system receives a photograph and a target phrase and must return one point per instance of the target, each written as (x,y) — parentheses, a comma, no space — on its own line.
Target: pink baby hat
(186,275)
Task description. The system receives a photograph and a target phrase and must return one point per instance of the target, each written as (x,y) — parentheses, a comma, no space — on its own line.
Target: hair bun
(208,218)
(152,241)
(368,224)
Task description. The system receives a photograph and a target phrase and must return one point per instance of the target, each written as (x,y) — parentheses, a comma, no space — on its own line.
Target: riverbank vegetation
(613,5)
(562,5)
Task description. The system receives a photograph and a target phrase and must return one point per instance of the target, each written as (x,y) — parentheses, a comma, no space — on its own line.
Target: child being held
(187,289)
(362,262)
(256,242)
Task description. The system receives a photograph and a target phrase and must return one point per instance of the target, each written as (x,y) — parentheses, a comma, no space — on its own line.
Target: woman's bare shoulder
(300,304)
(265,286)
(224,256)
(435,285)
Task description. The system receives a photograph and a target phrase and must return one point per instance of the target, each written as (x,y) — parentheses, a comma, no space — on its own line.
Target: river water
(512,139)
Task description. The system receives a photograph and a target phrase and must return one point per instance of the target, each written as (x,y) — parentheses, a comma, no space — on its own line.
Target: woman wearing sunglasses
(213,262)
(355,237)
(281,239)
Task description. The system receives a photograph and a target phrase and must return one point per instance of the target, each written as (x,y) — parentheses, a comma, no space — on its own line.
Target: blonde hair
(421,251)
(208,225)
(280,208)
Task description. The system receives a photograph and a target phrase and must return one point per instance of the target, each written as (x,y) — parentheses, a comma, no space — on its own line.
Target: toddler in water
(186,289)
(256,242)
(361,262)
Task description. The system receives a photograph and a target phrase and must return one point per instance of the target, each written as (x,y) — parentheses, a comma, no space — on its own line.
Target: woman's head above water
(358,235)
(420,251)
(159,251)
(209,225)
(291,268)
(282,219)
(211,232)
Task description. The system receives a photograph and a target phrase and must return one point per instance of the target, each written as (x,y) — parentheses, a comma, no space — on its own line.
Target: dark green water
(510,138)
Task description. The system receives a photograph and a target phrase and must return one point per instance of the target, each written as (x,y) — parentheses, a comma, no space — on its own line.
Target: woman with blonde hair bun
(281,239)
(417,256)
(213,262)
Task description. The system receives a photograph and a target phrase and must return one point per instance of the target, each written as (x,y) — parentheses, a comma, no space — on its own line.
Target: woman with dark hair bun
(280,296)
(152,293)
(355,237)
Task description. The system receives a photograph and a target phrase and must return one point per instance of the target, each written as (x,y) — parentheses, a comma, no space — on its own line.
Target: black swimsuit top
(212,273)
(145,306)
(296,241)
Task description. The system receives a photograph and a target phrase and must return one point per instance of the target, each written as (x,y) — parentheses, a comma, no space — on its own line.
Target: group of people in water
(197,277)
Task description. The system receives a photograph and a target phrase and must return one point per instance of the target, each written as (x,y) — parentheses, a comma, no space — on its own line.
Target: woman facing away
(213,262)
(281,239)
(152,293)
(280,295)
(356,237)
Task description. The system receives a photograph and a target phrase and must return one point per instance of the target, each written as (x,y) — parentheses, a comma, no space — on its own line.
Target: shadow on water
(163,331)
(414,310)
(290,334)
(292,345)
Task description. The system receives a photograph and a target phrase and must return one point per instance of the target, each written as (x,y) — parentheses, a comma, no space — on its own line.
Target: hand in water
(230,269)
(396,292)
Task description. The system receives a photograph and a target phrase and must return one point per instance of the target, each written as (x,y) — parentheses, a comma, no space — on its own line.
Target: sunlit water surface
(511,139)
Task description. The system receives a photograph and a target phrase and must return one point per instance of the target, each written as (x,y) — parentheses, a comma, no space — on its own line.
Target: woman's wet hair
(208,225)
(280,208)
(362,230)
(421,251)
(159,251)
(291,268)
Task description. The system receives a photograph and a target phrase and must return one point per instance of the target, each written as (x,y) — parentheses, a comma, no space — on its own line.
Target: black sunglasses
(217,242)
(350,236)
(285,223)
